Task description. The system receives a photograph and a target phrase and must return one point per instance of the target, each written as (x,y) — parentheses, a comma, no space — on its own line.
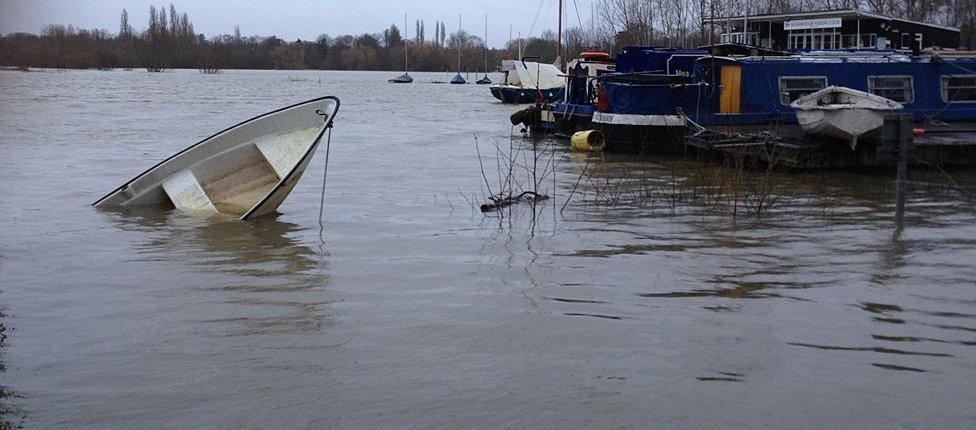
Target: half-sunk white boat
(246,170)
(842,113)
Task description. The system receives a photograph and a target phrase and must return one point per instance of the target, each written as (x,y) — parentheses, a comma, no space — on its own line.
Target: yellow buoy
(588,140)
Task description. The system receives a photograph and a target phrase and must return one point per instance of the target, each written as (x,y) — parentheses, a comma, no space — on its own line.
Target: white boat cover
(526,74)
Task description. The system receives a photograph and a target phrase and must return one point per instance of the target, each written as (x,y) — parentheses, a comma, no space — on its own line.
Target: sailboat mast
(559,37)
(406,56)
(459,42)
(486,45)
(520,45)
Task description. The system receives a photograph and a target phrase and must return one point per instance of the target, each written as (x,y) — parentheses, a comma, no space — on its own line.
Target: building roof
(839,13)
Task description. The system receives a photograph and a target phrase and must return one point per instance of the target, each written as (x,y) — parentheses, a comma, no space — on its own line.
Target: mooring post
(904,146)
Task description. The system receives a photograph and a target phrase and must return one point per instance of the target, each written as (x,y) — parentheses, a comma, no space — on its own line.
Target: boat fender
(588,140)
(918,132)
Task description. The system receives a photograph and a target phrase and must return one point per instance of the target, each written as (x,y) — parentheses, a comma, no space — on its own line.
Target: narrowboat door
(731,87)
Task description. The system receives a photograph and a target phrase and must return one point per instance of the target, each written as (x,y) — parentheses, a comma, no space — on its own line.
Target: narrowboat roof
(838,57)
(838,13)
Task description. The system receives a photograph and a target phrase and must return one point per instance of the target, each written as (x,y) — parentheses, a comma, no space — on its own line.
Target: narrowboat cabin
(931,88)
(586,103)
(750,94)
(576,109)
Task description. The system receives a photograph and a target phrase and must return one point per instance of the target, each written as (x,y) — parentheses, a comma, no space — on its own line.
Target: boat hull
(842,113)
(402,79)
(244,171)
(844,124)
(522,95)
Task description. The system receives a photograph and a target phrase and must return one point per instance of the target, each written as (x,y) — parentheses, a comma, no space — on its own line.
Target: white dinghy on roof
(842,113)
(245,171)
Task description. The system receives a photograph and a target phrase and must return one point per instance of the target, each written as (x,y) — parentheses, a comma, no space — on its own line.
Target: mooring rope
(325,173)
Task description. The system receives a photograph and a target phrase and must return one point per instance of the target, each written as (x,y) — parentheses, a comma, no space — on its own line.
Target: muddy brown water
(409,308)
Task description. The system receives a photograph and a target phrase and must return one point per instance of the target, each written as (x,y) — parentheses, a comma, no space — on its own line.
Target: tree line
(170,40)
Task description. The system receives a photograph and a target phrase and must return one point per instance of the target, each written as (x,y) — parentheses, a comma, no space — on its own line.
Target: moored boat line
(652,99)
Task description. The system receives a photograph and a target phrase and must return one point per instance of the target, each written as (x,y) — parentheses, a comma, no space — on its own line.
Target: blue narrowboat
(586,100)
(758,90)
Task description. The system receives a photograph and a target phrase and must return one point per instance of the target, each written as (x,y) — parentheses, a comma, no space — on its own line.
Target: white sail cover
(525,74)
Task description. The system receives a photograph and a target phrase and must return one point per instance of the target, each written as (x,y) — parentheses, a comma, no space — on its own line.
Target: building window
(794,87)
(959,88)
(814,40)
(897,88)
(750,38)
(867,40)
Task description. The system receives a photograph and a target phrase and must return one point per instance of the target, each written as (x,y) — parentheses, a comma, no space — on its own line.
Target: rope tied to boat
(325,173)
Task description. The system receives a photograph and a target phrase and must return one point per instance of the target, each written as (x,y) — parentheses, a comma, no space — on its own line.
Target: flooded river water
(410,308)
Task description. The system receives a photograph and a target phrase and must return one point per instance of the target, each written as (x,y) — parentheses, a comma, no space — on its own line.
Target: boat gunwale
(327,126)
(884,104)
(311,149)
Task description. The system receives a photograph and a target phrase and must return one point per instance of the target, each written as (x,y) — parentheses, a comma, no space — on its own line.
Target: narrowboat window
(794,87)
(897,88)
(959,88)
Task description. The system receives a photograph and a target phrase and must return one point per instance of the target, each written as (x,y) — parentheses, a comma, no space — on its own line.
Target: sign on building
(807,24)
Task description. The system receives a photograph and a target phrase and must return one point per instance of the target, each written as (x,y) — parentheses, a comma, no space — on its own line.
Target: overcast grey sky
(304,19)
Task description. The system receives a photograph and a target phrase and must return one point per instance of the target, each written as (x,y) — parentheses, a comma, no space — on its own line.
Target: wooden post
(904,146)
(559,39)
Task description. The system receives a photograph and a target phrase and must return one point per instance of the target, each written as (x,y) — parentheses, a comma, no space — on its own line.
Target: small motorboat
(842,113)
(402,79)
(244,171)
(458,79)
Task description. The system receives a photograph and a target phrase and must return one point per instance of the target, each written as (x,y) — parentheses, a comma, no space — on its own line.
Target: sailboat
(529,81)
(485,80)
(405,77)
(458,79)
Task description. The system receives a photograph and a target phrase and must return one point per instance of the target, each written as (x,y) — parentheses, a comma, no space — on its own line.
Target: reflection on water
(267,273)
